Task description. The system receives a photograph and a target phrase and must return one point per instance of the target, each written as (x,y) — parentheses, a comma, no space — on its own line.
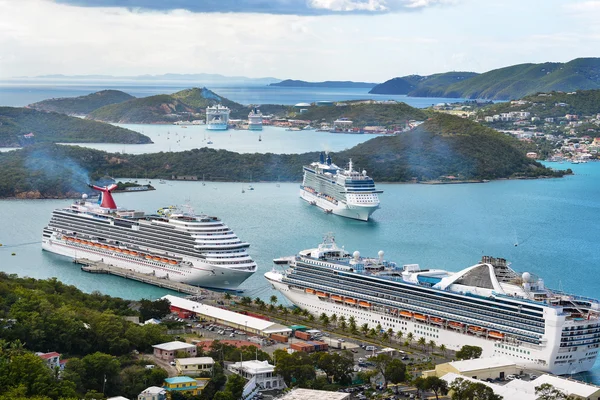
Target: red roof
(46,356)
(237,343)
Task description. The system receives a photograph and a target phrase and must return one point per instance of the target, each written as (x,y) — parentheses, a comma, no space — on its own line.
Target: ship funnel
(106,200)
(328,159)
(322,158)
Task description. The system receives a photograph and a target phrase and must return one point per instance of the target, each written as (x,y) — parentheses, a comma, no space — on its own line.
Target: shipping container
(302,335)
(279,338)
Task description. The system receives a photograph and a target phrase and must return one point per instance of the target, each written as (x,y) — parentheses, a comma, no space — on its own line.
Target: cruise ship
(217,118)
(174,243)
(339,191)
(487,305)
(255,118)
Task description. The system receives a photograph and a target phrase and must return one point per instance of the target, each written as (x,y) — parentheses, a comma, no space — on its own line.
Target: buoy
(13,254)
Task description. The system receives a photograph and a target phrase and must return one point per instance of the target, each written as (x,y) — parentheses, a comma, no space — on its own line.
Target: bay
(19,93)
(548,227)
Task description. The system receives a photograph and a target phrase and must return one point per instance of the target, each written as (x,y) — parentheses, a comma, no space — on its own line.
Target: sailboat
(209,141)
(243,191)
(259,138)
(203,183)
(277,184)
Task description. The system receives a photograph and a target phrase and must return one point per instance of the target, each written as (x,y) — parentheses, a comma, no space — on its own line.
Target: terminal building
(194,309)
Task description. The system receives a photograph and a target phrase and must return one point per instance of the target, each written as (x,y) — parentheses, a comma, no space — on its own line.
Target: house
(30,135)
(167,351)
(532,154)
(261,372)
(152,321)
(52,359)
(153,393)
(185,384)
(478,368)
(194,365)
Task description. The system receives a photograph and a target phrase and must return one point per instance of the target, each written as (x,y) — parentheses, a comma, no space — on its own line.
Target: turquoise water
(555,222)
(22,93)
(274,140)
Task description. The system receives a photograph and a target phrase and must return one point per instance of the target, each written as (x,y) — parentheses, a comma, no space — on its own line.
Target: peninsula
(82,105)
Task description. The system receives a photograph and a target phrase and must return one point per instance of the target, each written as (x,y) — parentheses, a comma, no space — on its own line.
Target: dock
(97,267)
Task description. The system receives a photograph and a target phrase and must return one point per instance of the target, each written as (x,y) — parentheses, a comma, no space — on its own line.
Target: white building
(167,351)
(194,365)
(304,394)
(260,372)
(153,393)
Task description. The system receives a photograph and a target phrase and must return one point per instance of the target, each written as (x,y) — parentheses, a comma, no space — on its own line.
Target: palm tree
(432,345)
(364,328)
(246,300)
(273,299)
(343,326)
(296,311)
(257,301)
(324,319)
(285,311)
(399,335)
(352,320)
(333,319)
(406,343)
(385,336)
(271,308)
(410,336)
(227,297)
(306,313)
(422,342)
(311,317)
(390,333)
(443,349)
(341,318)
(378,327)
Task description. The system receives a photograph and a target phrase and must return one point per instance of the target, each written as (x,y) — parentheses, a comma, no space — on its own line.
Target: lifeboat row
(121,250)
(338,298)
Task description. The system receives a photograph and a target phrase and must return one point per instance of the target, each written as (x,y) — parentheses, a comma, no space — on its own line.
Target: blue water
(22,93)
(554,222)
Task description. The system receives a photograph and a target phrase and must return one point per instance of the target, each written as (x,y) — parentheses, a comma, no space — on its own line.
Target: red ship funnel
(106,199)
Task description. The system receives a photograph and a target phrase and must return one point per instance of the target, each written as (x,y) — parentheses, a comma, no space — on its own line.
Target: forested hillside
(82,105)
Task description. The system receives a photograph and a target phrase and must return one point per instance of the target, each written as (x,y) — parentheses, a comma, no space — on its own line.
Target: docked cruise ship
(339,191)
(174,243)
(217,118)
(487,305)
(255,120)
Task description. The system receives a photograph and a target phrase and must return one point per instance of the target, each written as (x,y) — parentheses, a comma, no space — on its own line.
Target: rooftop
(569,386)
(46,356)
(195,360)
(154,390)
(482,363)
(505,391)
(226,315)
(180,379)
(303,394)
(254,366)
(174,346)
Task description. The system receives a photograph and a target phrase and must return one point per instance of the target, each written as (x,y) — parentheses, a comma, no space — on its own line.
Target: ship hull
(353,211)
(216,127)
(255,127)
(530,357)
(201,274)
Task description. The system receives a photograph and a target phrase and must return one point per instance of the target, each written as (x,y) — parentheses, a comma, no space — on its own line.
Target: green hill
(363,114)
(58,128)
(163,108)
(510,82)
(82,105)
(443,145)
(421,86)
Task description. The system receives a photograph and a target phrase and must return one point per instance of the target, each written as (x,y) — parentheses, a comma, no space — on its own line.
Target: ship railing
(521,299)
(575,297)
(466,320)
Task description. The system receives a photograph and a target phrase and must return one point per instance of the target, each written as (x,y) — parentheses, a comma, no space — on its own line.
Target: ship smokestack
(106,199)
(321,158)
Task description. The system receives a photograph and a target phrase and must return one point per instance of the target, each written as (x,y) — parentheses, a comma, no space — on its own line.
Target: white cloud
(349,5)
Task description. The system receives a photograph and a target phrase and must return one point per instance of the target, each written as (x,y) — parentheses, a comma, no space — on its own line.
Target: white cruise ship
(217,118)
(487,305)
(255,120)
(175,243)
(339,191)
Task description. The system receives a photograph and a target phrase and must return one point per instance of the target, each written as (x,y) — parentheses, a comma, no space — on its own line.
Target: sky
(314,40)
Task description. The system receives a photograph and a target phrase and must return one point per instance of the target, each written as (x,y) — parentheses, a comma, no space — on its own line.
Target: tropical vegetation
(82,105)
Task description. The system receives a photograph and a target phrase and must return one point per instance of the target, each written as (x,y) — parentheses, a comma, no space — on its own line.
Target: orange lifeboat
(496,335)
(148,257)
(156,258)
(436,320)
(104,246)
(118,250)
(164,260)
(420,317)
(406,314)
(364,304)
(476,329)
(97,245)
(133,253)
(322,294)
(78,240)
(336,297)
(310,291)
(455,325)
(172,262)
(350,301)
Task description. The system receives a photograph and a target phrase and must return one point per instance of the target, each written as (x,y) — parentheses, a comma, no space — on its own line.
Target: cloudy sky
(361,40)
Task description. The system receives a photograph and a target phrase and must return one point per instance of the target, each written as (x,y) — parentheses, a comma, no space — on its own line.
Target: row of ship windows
(515,355)
(502,346)
(473,313)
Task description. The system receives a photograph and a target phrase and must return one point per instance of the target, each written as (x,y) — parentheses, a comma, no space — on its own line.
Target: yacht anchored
(487,305)
(339,191)
(255,120)
(217,118)
(175,243)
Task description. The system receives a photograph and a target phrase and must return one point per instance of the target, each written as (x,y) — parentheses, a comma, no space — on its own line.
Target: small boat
(259,138)
(164,260)
(322,294)
(156,258)
(496,335)
(406,314)
(162,181)
(310,291)
(148,257)
(250,187)
(420,317)
(476,329)
(335,297)
(172,262)
(133,253)
(350,301)
(364,304)
(455,325)
(436,320)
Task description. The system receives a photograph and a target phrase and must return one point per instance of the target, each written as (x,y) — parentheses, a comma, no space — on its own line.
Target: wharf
(97,267)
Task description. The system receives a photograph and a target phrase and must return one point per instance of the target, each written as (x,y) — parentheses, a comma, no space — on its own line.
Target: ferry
(174,243)
(217,118)
(487,305)
(339,191)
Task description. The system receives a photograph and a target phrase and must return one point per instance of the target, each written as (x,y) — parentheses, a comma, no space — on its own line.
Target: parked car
(354,350)
(511,377)
(533,376)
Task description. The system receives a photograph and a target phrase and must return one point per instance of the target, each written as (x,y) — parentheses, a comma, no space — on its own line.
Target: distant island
(444,148)
(24,127)
(329,84)
(500,84)
(82,105)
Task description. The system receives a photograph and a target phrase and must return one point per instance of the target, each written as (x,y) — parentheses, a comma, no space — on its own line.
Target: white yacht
(175,243)
(339,191)
(487,305)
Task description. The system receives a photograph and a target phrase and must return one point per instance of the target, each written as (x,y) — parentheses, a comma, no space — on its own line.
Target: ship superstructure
(487,305)
(340,191)
(175,243)
(217,118)
(255,120)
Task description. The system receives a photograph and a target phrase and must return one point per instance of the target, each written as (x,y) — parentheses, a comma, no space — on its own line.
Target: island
(326,84)
(500,84)
(444,148)
(24,127)
(82,105)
